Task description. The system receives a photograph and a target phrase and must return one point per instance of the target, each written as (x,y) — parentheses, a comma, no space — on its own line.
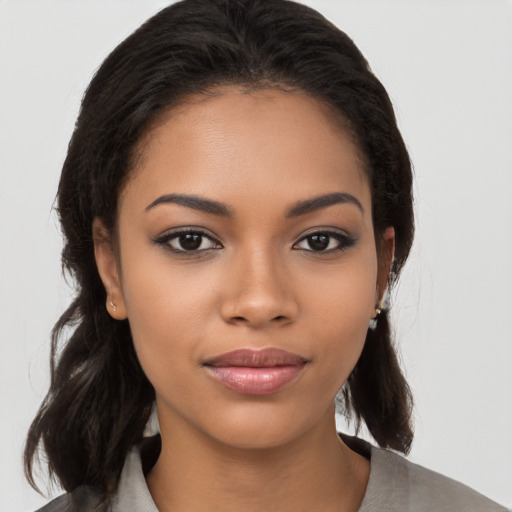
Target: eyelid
(344,239)
(167,236)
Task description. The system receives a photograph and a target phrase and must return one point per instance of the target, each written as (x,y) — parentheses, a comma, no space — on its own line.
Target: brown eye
(191,242)
(318,242)
(325,241)
(188,241)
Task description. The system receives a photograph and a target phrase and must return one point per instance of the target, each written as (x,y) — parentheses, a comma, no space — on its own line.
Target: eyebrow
(194,202)
(319,202)
(221,209)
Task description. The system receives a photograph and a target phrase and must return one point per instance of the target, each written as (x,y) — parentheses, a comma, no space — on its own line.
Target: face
(246,265)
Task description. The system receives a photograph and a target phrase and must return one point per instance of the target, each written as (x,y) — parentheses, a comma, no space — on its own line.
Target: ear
(386,253)
(108,268)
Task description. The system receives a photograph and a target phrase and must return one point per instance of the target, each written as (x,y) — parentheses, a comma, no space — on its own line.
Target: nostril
(244,319)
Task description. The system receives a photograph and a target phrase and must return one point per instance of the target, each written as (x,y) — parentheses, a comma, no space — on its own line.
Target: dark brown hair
(99,399)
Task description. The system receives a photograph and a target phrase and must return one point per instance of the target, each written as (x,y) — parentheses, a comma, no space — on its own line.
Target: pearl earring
(373,321)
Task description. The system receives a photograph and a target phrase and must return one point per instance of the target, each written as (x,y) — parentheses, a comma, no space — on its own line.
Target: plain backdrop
(447,65)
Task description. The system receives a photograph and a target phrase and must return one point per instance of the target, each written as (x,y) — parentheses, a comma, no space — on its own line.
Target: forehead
(234,144)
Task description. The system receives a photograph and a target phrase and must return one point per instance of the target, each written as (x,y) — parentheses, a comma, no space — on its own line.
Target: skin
(258,284)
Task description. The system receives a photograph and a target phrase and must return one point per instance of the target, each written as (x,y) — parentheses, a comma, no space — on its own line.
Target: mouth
(256,372)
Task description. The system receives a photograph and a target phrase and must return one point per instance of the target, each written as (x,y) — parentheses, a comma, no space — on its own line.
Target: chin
(265,428)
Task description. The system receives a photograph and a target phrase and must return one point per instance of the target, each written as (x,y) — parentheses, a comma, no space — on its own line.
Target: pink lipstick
(255,372)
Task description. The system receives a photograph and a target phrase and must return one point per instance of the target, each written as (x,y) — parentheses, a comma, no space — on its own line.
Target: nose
(258,292)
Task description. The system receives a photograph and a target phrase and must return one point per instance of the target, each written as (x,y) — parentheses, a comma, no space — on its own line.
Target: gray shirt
(395,485)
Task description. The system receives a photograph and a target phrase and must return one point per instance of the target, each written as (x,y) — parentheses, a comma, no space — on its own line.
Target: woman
(235,202)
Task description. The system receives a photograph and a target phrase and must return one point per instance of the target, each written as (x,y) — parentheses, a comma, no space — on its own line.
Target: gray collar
(395,484)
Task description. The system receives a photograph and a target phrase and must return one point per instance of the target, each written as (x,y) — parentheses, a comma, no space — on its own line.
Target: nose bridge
(259,290)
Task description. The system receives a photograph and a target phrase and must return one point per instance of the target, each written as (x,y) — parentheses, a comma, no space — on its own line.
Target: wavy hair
(99,399)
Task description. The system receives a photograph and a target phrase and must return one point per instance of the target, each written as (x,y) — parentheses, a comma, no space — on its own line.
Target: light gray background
(447,65)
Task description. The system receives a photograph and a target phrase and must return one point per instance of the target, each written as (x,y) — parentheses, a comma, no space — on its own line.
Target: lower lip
(255,381)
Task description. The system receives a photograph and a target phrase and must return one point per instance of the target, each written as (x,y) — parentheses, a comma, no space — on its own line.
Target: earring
(373,321)
(112,305)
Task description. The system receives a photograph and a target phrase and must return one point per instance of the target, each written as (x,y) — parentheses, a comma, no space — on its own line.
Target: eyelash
(344,241)
(165,240)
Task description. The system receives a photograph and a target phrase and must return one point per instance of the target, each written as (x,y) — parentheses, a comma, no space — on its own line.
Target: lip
(255,372)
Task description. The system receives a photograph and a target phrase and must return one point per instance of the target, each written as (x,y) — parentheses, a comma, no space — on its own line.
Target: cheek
(158,292)
(340,307)
(344,296)
(165,305)
(168,307)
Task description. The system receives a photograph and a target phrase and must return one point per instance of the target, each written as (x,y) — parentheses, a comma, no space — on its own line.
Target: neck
(313,472)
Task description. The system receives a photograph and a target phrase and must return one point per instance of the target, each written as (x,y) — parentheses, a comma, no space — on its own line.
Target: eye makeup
(325,241)
(188,240)
(193,240)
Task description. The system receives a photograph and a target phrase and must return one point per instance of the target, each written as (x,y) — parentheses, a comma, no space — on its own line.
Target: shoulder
(131,494)
(410,487)
(82,499)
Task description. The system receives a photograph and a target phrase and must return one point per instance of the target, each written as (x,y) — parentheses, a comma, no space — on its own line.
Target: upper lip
(263,358)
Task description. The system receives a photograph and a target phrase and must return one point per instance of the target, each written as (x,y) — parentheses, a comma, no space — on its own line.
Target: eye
(188,240)
(325,242)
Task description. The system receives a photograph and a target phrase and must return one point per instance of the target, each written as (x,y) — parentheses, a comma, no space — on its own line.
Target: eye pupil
(318,242)
(190,241)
